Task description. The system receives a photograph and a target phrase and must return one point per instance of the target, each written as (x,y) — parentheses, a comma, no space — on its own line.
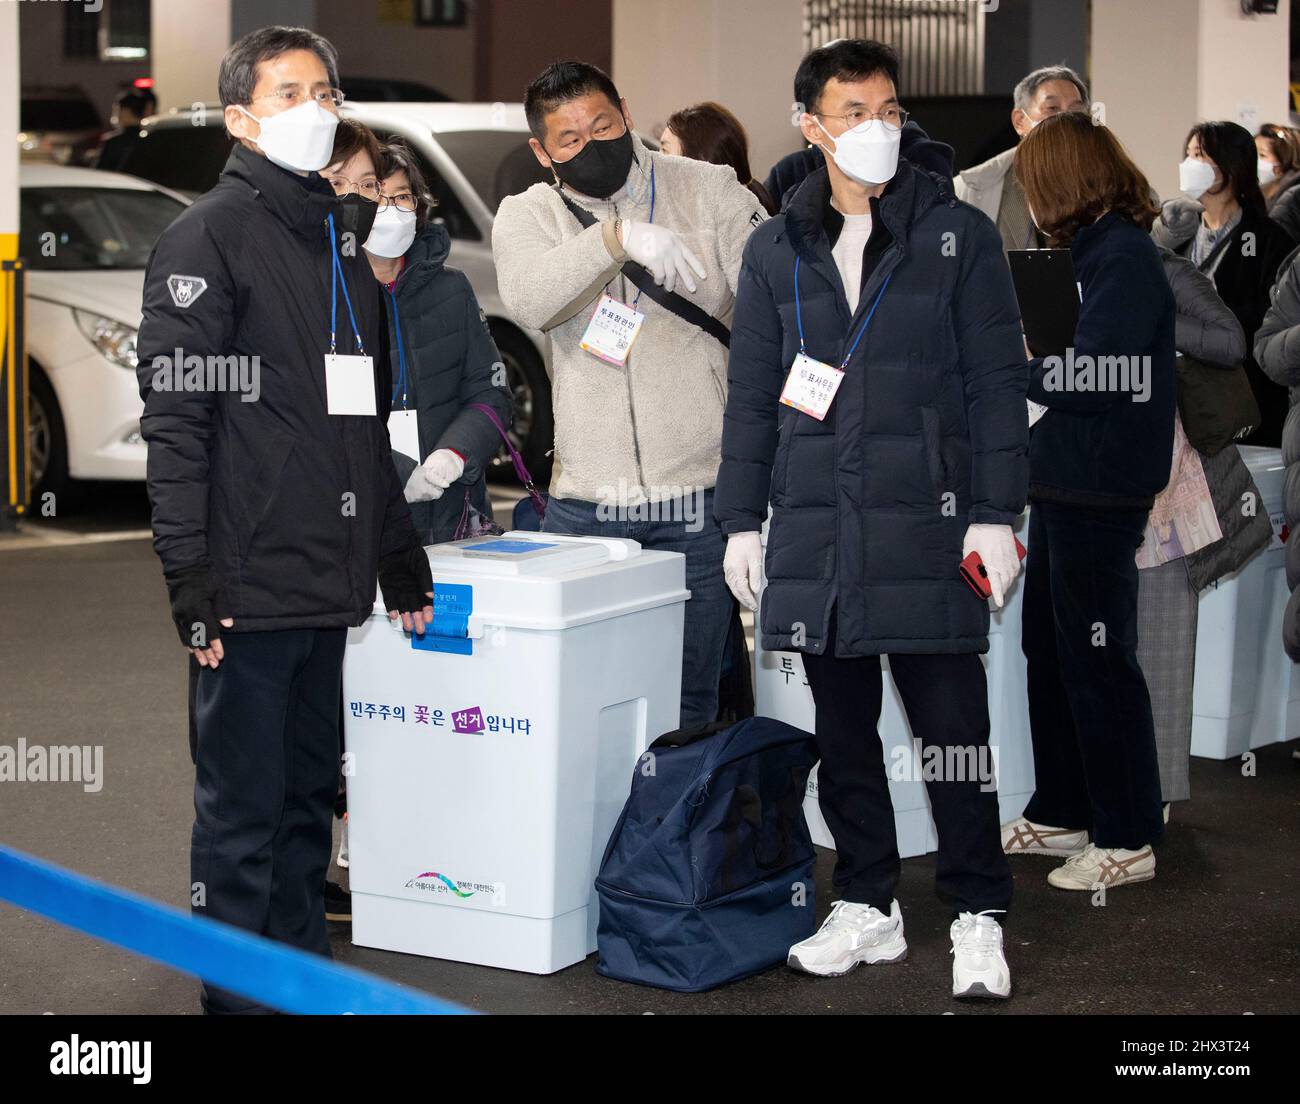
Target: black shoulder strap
(669,300)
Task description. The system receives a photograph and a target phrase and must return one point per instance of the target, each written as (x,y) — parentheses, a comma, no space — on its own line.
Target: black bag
(708,876)
(1216,404)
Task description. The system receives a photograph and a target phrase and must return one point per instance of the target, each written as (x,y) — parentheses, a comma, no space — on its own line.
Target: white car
(85,237)
(472,155)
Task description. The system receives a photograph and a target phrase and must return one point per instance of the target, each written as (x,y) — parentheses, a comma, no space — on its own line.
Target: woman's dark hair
(399,157)
(1284,141)
(351,138)
(1232,148)
(850,59)
(709,132)
(1073,171)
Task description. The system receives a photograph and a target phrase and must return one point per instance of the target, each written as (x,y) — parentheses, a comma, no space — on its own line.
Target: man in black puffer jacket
(879,490)
(275,504)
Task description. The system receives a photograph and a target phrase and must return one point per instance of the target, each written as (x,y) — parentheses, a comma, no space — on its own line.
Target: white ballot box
(488,761)
(782,692)
(1246,693)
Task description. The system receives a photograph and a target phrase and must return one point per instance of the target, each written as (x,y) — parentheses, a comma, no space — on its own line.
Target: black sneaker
(338,903)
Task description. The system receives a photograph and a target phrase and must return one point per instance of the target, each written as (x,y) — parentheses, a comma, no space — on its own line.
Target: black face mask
(600,168)
(357,216)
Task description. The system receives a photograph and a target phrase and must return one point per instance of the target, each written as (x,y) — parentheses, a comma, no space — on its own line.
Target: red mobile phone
(973,571)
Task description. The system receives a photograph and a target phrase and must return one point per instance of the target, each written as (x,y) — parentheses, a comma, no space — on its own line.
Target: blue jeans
(710,608)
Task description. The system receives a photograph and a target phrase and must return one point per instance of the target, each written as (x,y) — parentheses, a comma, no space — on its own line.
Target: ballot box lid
(551,581)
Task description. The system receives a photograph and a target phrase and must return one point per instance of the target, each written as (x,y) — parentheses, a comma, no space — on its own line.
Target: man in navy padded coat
(877,400)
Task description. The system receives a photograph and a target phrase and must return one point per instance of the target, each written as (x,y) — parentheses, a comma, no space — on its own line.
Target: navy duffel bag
(708,876)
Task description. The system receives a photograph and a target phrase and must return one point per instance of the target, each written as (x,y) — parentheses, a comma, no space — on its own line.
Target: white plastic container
(1246,693)
(477,817)
(782,692)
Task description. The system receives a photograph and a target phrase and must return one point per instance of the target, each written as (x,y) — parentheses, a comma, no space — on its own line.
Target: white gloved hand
(996,545)
(742,567)
(438,472)
(662,253)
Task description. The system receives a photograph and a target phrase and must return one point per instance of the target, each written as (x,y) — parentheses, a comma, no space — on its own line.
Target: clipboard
(1049,295)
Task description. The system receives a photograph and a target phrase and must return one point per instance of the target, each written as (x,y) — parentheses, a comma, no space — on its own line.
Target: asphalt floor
(88,656)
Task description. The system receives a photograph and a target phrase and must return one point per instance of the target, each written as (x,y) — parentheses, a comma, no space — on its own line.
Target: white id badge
(811,385)
(404,433)
(611,331)
(350,384)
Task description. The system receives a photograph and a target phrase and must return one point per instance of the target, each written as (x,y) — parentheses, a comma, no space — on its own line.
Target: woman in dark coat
(444,363)
(1097,458)
(1222,227)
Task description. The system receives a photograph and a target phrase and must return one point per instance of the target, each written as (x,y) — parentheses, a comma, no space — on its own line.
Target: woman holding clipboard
(1097,459)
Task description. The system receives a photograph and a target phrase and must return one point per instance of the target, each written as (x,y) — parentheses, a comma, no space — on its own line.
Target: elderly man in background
(992,187)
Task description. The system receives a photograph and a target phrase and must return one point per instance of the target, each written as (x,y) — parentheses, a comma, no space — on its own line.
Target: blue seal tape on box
(452,605)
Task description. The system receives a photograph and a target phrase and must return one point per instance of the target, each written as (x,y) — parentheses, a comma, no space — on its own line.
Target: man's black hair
(238,74)
(137,101)
(559,83)
(850,59)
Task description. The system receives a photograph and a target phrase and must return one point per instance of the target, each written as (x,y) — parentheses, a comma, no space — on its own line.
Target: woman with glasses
(444,362)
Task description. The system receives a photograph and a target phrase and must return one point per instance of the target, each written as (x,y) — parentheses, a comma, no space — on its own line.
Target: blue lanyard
(798,315)
(337,277)
(400,387)
(652,219)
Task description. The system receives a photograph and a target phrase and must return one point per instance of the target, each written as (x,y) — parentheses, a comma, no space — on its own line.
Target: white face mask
(1267,171)
(300,139)
(392,233)
(869,153)
(1195,178)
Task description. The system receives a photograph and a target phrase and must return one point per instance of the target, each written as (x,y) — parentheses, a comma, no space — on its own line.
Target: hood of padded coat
(425,259)
(910,193)
(1177,223)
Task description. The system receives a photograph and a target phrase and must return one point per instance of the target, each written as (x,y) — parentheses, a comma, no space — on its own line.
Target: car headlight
(114,340)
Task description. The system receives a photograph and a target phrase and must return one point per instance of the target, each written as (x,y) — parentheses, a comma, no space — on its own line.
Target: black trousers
(945,698)
(266,774)
(1095,764)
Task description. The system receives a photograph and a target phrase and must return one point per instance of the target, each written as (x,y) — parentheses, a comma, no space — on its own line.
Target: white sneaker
(851,934)
(343,859)
(1105,866)
(979,967)
(1024,837)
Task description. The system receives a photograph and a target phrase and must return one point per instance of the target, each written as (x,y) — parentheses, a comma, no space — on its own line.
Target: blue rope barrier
(270,973)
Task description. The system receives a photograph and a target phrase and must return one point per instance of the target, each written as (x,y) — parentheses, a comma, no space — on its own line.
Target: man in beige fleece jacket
(637,444)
